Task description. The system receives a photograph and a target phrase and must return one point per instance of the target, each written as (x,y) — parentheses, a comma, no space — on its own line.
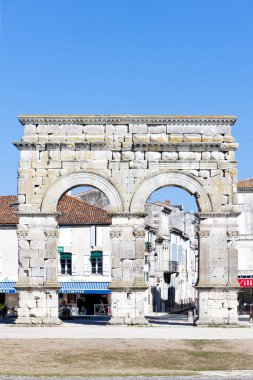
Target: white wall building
(245,241)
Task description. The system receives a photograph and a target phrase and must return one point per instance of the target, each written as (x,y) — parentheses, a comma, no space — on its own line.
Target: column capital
(233,234)
(139,233)
(52,233)
(203,233)
(115,234)
(22,233)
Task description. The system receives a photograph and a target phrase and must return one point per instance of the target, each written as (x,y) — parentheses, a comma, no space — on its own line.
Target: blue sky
(115,56)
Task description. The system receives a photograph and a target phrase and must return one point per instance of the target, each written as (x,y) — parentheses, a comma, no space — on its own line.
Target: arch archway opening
(75,180)
(84,252)
(171,249)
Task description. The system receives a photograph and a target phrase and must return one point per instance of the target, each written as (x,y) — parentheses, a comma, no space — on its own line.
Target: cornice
(122,119)
(38,214)
(135,146)
(225,214)
(127,214)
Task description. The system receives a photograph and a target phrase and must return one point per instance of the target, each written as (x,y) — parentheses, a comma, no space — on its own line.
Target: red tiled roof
(245,184)
(8,213)
(73,212)
(76,211)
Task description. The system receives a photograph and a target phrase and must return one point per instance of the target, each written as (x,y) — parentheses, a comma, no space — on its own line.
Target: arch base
(217,306)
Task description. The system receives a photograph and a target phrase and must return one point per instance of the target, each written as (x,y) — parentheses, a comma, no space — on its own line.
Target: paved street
(74,330)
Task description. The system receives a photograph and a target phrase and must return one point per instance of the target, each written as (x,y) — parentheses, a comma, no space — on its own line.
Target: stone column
(37,283)
(127,286)
(217,284)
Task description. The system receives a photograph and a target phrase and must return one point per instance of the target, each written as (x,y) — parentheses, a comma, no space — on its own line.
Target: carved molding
(127,214)
(204,233)
(39,214)
(22,234)
(233,235)
(52,234)
(118,119)
(206,215)
(139,234)
(115,234)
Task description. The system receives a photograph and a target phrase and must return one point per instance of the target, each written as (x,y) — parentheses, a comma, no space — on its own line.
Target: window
(96,262)
(66,263)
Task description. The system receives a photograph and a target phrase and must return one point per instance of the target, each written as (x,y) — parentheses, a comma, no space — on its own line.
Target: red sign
(245,282)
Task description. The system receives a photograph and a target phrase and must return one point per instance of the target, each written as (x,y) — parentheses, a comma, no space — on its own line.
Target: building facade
(245,242)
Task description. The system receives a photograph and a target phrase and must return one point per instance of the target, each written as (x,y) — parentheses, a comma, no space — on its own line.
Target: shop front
(84,298)
(8,299)
(245,294)
(80,298)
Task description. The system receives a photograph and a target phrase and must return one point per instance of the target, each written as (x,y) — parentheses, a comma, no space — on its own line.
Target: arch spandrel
(60,187)
(181,180)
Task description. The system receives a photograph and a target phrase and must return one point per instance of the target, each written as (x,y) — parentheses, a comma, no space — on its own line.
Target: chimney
(167,202)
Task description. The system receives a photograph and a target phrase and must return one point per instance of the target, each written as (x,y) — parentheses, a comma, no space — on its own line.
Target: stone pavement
(72,330)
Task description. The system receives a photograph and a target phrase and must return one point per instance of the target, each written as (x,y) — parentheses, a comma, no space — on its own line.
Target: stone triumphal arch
(127,158)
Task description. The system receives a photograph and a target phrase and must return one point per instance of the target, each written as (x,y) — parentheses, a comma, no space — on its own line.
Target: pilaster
(127,286)
(37,283)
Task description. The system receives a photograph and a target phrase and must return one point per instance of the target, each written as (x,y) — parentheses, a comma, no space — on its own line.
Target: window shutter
(86,265)
(74,264)
(96,254)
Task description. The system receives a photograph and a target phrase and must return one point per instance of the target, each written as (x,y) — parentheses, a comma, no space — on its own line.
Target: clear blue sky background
(115,56)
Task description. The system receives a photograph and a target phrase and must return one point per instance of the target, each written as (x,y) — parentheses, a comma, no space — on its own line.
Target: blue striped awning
(7,287)
(85,287)
(67,287)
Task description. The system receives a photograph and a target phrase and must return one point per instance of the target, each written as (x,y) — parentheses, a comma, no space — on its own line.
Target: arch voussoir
(181,180)
(60,187)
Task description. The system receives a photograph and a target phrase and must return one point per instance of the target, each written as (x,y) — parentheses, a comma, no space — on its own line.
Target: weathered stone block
(68,155)
(141,137)
(217,138)
(153,156)
(97,129)
(30,129)
(174,137)
(127,156)
(204,174)
(206,156)
(117,273)
(189,156)
(94,137)
(228,138)
(191,137)
(141,164)
(217,156)
(157,128)
(159,137)
(38,244)
(169,156)
(138,128)
(72,129)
